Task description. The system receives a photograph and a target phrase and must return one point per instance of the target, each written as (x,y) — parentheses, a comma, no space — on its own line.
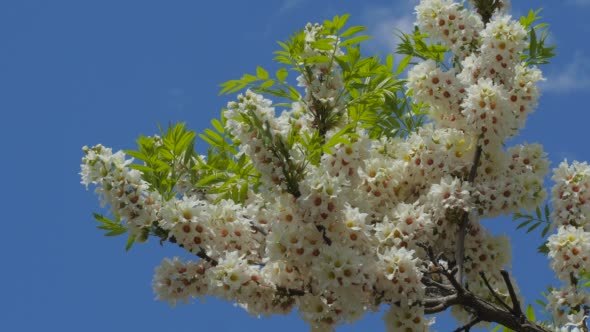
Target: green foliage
(584,280)
(222,172)
(533,221)
(541,217)
(376,101)
(165,159)
(538,52)
(530,313)
(113,228)
(372,89)
(416,45)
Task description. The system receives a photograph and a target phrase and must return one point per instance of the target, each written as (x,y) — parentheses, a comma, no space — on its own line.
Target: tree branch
(493,291)
(325,237)
(481,309)
(203,255)
(516,309)
(469,325)
(460,249)
(486,8)
(284,291)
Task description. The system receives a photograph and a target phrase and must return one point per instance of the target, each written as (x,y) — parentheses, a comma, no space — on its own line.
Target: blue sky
(77,72)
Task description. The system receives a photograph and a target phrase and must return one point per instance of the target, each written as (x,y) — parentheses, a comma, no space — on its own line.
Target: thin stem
(469,325)
(203,255)
(515,303)
(460,249)
(284,291)
(258,229)
(493,292)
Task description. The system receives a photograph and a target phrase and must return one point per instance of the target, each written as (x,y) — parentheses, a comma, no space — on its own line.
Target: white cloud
(385,22)
(580,2)
(288,5)
(574,76)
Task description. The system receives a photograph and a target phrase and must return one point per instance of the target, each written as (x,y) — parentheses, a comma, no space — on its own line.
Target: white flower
(406,318)
(565,306)
(486,111)
(569,251)
(571,195)
(450,22)
(176,281)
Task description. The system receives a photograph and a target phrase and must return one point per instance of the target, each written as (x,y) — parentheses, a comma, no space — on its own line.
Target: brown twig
(469,325)
(516,309)
(481,309)
(493,291)
(203,255)
(284,291)
(325,237)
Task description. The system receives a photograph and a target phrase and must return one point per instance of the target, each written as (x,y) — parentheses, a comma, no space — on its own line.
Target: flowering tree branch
(325,207)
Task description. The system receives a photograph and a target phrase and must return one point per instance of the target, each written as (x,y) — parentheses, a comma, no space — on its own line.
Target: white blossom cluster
(451,22)
(177,281)
(322,81)
(351,238)
(569,248)
(120,187)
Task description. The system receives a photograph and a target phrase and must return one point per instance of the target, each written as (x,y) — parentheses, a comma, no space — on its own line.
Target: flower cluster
(121,187)
(217,228)
(569,248)
(322,81)
(450,22)
(177,281)
(404,318)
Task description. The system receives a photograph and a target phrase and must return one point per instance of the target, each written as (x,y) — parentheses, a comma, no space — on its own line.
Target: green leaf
(282,74)
(340,21)
(217,125)
(354,41)
(115,232)
(524,223)
(210,179)
(533,227)
(403,64)
(545,230)
(316,59)
(261,73)
(533,43)
(530,313)
(389,62)
(112,227)
(353,30)
(130,242)
(543,248)
(532,17)
(541,303)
